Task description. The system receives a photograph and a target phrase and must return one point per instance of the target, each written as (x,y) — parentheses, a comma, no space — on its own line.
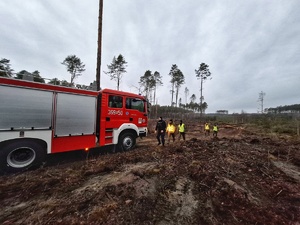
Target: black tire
(20,155)
(126,142)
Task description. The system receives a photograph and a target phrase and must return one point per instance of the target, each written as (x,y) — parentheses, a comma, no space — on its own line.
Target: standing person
(215,130)
(171,128)
(207,129)
(160,131)
(181,129)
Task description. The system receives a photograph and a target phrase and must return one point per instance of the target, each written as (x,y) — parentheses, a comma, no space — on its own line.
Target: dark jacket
(161,125)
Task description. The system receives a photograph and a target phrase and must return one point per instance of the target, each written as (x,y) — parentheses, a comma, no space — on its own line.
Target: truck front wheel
(20,155)
(126,142)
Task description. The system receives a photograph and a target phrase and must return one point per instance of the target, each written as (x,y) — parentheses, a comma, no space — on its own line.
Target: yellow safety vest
(215,128)
(181,128)
(206,127)
(171,128)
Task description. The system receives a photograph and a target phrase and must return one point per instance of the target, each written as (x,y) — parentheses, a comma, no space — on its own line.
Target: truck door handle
(130,119)
(107,119)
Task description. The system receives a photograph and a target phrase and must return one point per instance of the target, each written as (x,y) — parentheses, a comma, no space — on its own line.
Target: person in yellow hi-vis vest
(215,130)
(171,130)
(207,129)
(181,129)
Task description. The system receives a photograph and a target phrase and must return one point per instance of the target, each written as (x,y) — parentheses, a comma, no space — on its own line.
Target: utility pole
(261,100)
(98,74)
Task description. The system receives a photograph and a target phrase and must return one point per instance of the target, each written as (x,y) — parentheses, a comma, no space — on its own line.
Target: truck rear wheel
(126,142)
(20,155)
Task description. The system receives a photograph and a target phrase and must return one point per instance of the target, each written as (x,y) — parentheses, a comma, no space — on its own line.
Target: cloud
(250,46)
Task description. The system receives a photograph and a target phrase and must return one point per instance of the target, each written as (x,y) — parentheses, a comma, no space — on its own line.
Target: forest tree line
(148,82)
(285,109)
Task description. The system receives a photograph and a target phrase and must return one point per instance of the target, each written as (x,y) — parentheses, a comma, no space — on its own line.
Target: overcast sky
(250,45)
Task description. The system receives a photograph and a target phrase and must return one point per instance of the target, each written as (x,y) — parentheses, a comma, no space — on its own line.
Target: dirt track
(241,177)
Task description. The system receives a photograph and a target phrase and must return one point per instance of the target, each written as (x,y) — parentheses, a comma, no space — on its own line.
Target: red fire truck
(38,119)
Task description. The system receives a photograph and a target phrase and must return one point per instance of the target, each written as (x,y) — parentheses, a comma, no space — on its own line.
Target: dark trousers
(181,134)
(161,138)
(207,132)
(171,135)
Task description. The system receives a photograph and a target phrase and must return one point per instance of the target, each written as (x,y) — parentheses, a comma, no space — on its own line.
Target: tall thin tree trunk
(98,74)
(185,98)
(201,97)
(149,95)
(154,95)
(156,110)
(172,94)
(177,90)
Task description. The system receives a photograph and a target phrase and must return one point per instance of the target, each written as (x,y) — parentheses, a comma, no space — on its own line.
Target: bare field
(240,177)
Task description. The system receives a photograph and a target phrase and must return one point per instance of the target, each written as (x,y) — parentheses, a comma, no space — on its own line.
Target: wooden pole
(98,74)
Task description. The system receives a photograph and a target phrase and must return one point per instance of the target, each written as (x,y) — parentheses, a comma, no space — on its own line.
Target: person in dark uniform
(160,131)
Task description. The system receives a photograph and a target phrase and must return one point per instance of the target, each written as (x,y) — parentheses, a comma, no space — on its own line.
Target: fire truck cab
(38,119)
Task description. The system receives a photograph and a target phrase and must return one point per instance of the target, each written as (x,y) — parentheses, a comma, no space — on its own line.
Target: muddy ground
(240,177)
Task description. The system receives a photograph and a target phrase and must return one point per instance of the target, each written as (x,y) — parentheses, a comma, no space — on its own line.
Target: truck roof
(50,87)
(42,86)
(116,92)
